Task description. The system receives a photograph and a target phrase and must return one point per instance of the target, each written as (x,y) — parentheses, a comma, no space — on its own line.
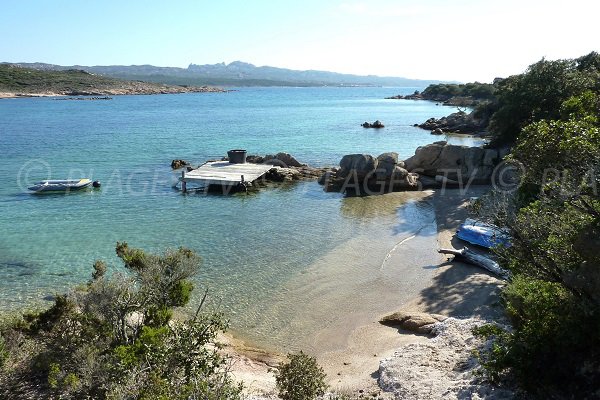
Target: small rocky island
(377,124)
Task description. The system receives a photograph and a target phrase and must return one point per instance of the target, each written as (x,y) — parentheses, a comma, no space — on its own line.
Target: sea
(284,264)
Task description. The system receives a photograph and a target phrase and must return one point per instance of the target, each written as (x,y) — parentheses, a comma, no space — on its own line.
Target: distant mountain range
(236,73)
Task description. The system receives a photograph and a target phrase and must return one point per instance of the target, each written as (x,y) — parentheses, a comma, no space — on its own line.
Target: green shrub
(3,352)
(301,378)
(53,375)
(554,344)
(115,338)
(553,301)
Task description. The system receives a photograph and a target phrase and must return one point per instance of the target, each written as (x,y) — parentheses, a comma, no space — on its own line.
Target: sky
(462,40)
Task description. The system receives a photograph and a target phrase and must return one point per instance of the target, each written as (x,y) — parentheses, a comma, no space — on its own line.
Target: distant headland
(235,74)
(18,81)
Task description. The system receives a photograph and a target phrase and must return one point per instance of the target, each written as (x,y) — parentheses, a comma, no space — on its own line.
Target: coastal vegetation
(473,90)
(539,93)
(506,106)
(301,378)
(72,82)
(116,338)
(455,94)
(552,112)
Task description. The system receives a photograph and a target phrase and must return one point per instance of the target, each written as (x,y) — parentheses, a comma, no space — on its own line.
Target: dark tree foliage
(444,91)
(553,300)
(539,92)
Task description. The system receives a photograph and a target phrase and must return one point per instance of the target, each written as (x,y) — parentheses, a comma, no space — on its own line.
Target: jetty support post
(243,184)
(183,183)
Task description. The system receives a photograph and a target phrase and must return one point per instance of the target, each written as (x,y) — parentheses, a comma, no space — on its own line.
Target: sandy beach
(350,355)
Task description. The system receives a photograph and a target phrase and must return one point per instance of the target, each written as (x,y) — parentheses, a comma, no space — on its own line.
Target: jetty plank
(224,173)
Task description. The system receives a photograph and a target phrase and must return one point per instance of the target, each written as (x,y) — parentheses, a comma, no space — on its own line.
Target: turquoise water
(252,245)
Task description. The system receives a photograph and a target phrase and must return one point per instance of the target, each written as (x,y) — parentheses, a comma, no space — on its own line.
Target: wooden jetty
(224,174)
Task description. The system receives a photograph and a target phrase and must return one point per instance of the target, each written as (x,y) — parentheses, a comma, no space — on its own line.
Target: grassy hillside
(26,81)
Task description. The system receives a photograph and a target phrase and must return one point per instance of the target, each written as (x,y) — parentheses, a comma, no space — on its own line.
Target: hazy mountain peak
(237,64)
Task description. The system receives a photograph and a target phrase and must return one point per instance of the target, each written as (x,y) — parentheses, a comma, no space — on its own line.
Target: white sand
(351,346)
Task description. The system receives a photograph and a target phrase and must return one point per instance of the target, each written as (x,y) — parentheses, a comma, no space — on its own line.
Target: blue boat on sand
(482,234)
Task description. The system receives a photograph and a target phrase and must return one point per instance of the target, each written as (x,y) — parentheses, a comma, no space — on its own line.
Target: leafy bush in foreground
(3,352)
(116,338)
(301,378)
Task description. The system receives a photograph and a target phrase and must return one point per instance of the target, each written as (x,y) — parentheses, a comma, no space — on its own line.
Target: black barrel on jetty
(237,156)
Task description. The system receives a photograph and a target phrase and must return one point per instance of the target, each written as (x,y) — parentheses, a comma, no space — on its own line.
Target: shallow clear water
(254,246)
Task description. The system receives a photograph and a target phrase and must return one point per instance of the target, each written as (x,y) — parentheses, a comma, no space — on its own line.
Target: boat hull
(482,234)
(66,185)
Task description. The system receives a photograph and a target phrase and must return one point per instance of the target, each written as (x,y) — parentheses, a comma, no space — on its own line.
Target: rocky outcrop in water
(458,122)
(434,165)
(284,160)
(288,168)
(459,164)
(366,174)
(377,124)
(294,174)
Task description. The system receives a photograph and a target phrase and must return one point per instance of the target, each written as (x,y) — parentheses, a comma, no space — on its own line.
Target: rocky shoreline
(457,101)
(443,367)
(458,122)
(436,165)
(132,88)
(475,96)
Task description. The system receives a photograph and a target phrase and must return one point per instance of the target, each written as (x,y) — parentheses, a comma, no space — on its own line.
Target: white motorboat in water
(65,185)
